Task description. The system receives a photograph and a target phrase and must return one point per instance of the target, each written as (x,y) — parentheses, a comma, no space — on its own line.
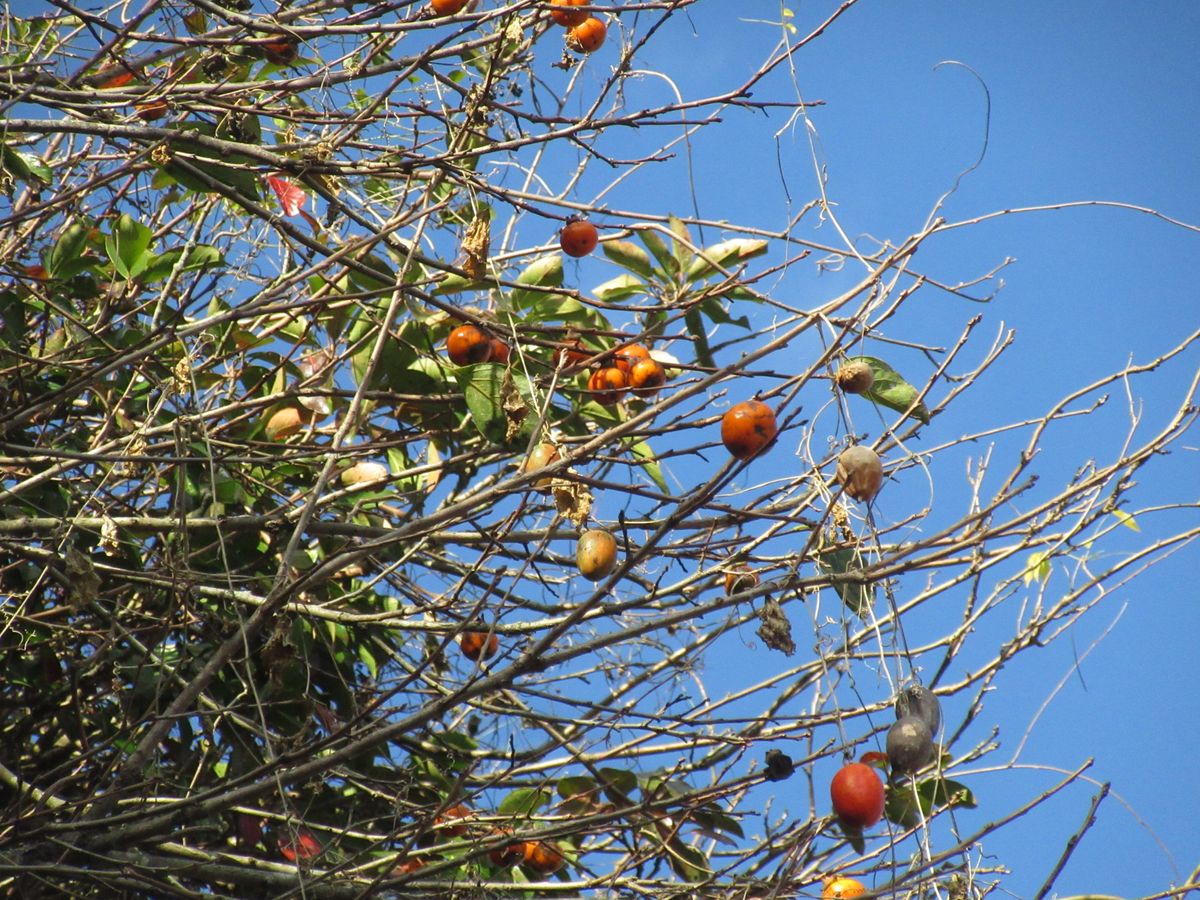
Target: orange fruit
(447,7)
(281,51)
(500,351)
(596,554)
(506,855)
(151,110)
(469,344)
(627,355)
(540,457)
(842,888)
(587,36)
(543,857)
(857,795)
(478,645)
(563,15)
(578,238)
(286,422)
(451,823)
(647,377)
(573,353)
(608,385)
(740,579)
(747,428)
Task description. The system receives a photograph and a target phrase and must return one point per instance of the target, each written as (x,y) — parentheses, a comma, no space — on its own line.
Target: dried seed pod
(860,472)
(855,377)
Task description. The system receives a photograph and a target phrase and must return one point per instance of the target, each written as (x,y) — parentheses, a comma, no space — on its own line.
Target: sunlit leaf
(524,802)
(546,271)
(630,256)
(891,390)
(649,462)
(660,251)
(1126,519)
(1037,567)
(725,255)
(620,288)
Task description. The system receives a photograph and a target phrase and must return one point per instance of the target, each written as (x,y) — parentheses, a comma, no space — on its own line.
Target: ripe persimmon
(543,857)
(500,351)
(447,7)
(540,457)
(740,578)
(627,356)
(281,51)
(578,238)
(857,795)
(608,385)
(596,554)
(469,344)
(151,110)
(563,15)
(588,35)
(452,822)
(574,353)
(477,645)
(508,855)
(647,377)
(748,427)
(842,888)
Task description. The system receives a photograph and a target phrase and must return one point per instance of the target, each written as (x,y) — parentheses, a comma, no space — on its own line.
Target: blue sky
(1094,101)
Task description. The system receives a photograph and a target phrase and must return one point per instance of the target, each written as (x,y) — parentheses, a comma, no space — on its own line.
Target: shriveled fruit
(539,457)
(280,51)
(364,472)
(447,7)
(563,15)
(506,855)
(596,554)
(500,351)
(909,745)
(855,377)
(747,428)
(857,795)
(543,857)
(608,385)
(627,356)
(842,888)
(286,422)
(578,238)
(588,35)
(647,377)
(860,472)
(918,700)
(478,645)
(740,579)
(469,344)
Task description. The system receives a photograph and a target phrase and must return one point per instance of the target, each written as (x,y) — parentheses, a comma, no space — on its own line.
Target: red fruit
(563,15)
(478,644)
(543,857)
(608,385)
(447,7)
(500,351)
(587,36)
(507,855)
(450,823)
(302,846)
(469,344)
(578,238)
(280,51)
(857,795)
(647,377)
(151,110)
(627,356)
(747,428)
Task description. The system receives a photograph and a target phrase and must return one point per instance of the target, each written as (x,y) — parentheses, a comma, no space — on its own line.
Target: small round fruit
(608,385)
(747,428)
(578,238)
(452,822)
(855,377)
(842,888)
(627,356)
(469,344)
(447,7)
(857,795)
(477,645)
(563,15)
(860,472)
(506,856)
(909,745)
(151,110)
(411,864)
(740,579)
(500,351)
(596,554)
(540,457)
(364,472)
(647,377)
(286,422)
(918,700)
(587,36)
(543,857)
(574,353)
(280,51)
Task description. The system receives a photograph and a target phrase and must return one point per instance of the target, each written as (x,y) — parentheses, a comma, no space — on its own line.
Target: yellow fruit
(596,554)
(286,422)
(540,457)
(364,473)
(843,889)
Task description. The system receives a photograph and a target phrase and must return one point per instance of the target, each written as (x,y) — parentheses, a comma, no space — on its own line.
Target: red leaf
(302,846)
(291,198)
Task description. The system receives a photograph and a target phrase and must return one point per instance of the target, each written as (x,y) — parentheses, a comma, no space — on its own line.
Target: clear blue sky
(1090,101)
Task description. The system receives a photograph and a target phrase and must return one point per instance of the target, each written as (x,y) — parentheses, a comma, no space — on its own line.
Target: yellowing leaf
(1037,567)
(1126,519)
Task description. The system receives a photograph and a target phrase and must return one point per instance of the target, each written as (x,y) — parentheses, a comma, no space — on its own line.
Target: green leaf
(715,310)
(660,251)
(204,160)
(906,806)
(127,246)
(630,256)
(64,257)
(524,802)
(24,166)
(649,462)
(859,598)
(546,271)
(620,288)
(618,784)
(683,241)
(161,265)
(557,308)
(1037,567)
(574,785)
(891,390)
(689,863)
(386,275)
(695,327)
(368,660)
(726,254)
(483,389)
(456,284)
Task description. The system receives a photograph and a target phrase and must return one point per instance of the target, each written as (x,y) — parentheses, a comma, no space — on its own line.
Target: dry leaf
(774,628)
(475,246)
(573,500)
(515,409)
